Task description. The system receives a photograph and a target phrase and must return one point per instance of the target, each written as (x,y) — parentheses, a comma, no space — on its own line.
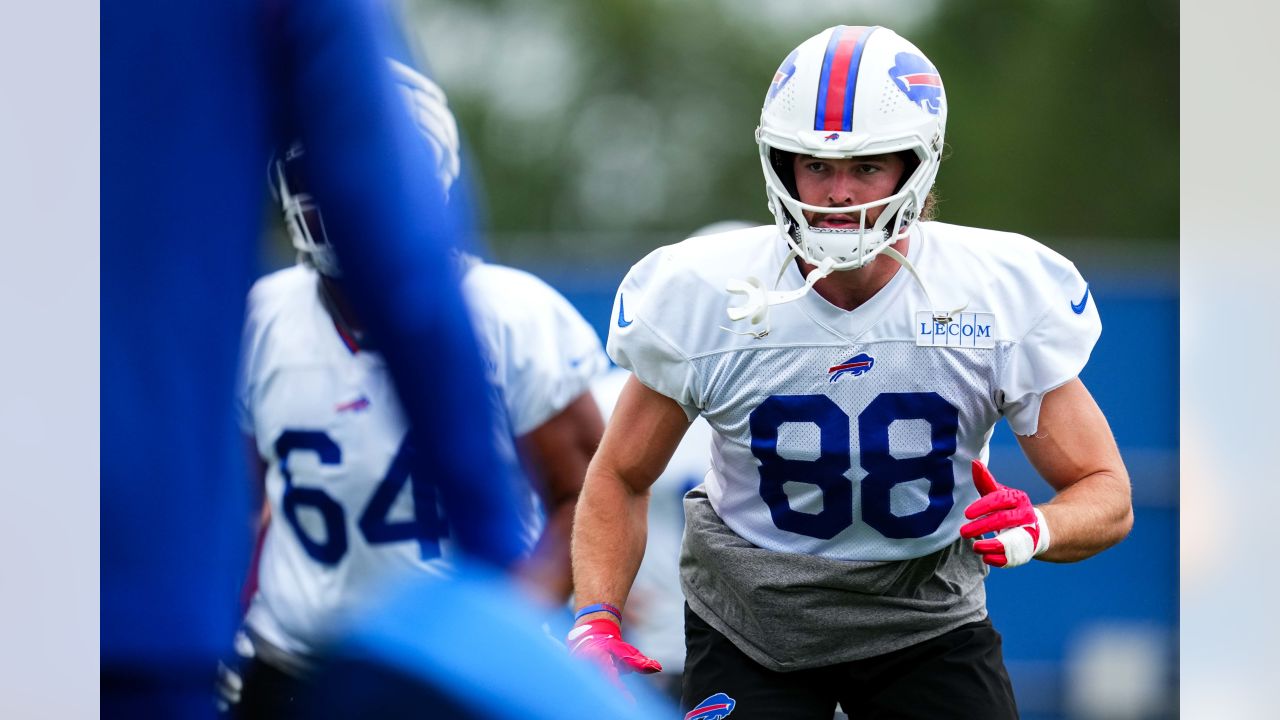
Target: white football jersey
(850,435)
(327,422)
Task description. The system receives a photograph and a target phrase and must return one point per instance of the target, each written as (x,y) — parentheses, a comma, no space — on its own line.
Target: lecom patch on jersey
(968,330)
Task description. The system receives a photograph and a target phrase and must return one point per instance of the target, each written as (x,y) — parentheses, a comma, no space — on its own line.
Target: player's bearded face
(843,182)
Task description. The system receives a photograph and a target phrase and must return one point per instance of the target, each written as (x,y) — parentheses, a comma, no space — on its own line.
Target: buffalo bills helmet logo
(716,707)
(780,78)
(916,78)
(855,366)
(832,136)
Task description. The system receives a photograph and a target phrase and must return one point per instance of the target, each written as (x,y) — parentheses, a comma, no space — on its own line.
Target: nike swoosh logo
(1076,308)
(622,321)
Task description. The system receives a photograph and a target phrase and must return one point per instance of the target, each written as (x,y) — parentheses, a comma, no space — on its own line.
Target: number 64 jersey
(849,435)
(346,511)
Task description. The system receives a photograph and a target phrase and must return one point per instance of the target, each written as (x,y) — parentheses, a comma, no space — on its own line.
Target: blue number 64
(374,523)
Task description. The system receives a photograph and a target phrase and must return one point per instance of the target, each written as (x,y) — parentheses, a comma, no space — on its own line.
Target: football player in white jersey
(325,421)
(852,360)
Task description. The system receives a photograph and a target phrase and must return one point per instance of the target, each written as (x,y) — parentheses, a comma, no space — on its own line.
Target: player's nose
(842,191)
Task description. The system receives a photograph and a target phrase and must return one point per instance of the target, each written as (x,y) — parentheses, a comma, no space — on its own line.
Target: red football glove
(600,641)
(1021,532)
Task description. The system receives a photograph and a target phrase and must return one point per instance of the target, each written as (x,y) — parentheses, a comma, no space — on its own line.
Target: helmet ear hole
(910,162)
(783,163)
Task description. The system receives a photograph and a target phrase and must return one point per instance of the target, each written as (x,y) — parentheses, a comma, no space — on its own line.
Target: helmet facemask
(302,217)
(854,247)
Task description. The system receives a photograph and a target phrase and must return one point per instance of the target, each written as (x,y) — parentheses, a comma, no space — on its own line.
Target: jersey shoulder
(541,353)
(1010,275)
(282,294)
(514,306)
(671,307)
(1040,307)
(678,293)
(284,321)
(509,293)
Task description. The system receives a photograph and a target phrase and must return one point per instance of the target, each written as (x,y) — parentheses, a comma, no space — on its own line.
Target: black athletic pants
(959,674)
(270,693)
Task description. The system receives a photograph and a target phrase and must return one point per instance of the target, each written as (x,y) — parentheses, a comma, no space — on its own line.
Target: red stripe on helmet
(838,84)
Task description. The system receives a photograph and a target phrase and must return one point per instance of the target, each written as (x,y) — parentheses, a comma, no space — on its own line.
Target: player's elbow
(606,481)
(1124,525)
(1121,506)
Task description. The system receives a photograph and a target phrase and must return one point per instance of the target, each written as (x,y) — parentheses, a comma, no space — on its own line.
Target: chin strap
(942,316)
(758,300)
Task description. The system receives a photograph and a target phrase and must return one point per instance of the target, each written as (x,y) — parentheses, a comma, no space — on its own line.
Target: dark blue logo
(855,366)
(713,708)
(915,77)
(832,136)
(780,78)
(1078,308)
(622,321)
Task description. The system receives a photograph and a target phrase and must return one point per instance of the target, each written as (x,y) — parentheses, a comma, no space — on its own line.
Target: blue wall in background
(1045,610)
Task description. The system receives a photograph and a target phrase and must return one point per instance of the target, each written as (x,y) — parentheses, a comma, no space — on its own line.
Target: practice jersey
(849,434)
(327,422)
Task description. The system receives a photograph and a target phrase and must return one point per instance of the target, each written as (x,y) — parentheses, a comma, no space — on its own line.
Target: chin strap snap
(942,316)
(758,300)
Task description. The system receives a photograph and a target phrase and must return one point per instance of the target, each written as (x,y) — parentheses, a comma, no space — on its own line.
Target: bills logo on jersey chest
(857,365)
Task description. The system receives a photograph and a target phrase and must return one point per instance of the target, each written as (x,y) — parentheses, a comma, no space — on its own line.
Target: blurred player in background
(830,556)
(192,97)
(347,514)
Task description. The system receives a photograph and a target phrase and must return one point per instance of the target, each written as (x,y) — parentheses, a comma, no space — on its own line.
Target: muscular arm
(611,524)
(556,454)
(1074,451)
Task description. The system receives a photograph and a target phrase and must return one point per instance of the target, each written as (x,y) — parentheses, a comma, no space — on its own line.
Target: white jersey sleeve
(670,309)
(542,354)
(262,304)
(648,301)
(1056,345)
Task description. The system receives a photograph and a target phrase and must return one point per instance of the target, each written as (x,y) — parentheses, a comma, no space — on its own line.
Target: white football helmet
(430,111)
(847,92)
